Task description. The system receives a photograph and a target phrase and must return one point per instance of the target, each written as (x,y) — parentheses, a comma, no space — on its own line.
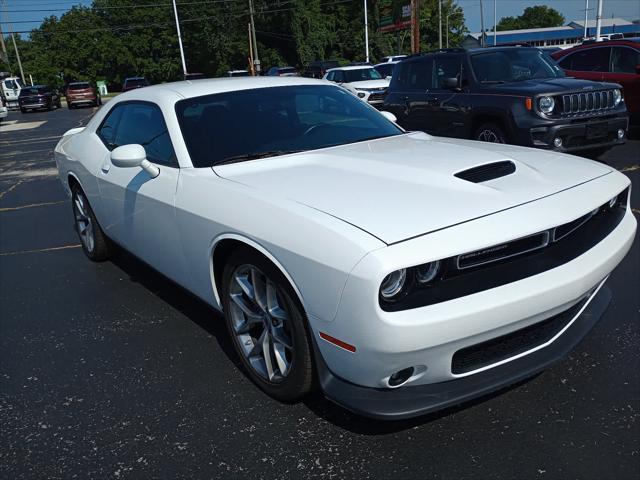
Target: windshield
(361,74)
(79,86)
(33,90)
(135,82)
(14,84)
(386,69)
(246,124)
(514,65)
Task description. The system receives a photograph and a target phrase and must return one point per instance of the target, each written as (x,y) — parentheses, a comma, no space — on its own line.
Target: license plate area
(596,130)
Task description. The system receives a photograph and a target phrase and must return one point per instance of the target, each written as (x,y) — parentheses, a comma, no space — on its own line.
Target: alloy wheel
(490,136)
(84,226)
(260,323)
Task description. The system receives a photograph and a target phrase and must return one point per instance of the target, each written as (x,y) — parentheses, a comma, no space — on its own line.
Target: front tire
(490,132)
(267,326)
(95,243)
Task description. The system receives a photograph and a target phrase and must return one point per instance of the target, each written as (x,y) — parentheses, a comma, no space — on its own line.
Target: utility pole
(586,18)
(256,60)
(440,24)
(447,17)
(3,48)
(495,22)
(13,39)
(415,26)
(482,43)
(366,32)
(184,63)
(599,20)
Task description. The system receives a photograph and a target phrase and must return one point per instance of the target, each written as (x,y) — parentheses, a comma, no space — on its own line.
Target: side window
(107,131)
(624,60)
(330,76)
(419,78)
(446,67)
(589,60)
(338,76)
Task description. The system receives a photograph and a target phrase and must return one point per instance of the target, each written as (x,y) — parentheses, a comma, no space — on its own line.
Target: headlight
(427,272)
(393,283)
(617,97)
(546,104)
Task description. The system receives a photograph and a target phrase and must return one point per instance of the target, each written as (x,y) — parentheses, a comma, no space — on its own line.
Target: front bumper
(28,106)
(407,402)
(589,134)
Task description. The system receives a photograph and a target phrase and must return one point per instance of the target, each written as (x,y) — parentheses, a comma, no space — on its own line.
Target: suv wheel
(490,132)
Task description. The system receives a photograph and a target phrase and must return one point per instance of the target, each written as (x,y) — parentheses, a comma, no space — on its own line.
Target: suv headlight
(617,97)
(546,104)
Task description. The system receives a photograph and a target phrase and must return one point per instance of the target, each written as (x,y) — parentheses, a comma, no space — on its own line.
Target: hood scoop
(488,171)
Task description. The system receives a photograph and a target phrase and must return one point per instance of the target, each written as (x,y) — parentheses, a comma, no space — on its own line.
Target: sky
(571,9)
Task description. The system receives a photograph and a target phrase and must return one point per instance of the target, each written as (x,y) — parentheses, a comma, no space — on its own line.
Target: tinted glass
(287,70)
(361,74)
(79,86)
(416,76)
(514,65)
(589,60)
(33,91)
(385,70)
(446,67)
(107,131)
(624,60)
(271,121)
(136,82)
(338,76)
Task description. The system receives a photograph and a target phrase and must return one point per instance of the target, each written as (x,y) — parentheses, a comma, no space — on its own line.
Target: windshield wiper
(253,156)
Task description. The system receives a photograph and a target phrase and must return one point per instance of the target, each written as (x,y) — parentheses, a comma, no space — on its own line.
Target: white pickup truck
(10,88)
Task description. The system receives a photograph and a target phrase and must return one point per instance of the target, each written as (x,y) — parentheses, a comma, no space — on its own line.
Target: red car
(616,61)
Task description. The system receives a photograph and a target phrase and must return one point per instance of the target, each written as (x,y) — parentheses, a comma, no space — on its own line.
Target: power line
(120,28)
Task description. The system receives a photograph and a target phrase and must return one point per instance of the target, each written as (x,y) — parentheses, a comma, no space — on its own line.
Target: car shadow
(211,321)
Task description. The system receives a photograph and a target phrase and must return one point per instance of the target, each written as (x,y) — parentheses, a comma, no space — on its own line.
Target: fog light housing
(400,377)
(557,142)
(361,95)
(620,134)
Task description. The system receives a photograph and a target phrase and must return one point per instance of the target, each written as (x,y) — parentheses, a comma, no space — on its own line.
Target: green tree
(539,16)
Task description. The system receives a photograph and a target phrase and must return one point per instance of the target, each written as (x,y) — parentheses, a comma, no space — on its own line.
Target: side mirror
(134,155)
(450,83)
(388,77)
(389,116)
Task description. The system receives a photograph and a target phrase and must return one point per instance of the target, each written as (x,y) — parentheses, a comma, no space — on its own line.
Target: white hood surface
(400,187)
(382,83)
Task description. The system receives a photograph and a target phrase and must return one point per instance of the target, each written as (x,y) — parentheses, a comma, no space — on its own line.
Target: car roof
(351,67)
(386,63)
(629,42)
(209,86)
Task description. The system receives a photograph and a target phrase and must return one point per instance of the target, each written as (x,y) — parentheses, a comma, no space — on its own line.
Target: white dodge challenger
(398,272)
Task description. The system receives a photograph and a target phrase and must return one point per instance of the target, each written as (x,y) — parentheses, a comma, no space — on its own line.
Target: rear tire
(267,326)
(490,132)
(23,110)
(95,244)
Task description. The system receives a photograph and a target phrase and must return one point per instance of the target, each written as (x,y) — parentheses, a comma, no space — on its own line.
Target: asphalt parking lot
(111,371)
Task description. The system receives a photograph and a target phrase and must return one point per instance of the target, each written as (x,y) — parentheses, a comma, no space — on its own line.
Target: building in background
(564,37)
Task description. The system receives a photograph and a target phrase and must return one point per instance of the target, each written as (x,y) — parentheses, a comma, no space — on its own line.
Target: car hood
(549,85)
(401,187)
(382,83)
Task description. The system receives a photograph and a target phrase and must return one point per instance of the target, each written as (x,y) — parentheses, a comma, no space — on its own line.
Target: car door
(138,210)
(446,105)
(623,70)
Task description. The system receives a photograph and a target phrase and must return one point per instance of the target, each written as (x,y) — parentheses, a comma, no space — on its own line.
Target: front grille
(587,102)
(506,346)
(503,251)
(377,96)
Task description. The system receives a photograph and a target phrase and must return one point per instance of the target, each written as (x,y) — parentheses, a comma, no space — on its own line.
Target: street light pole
(599,21)
(184,63)
(586,18)
(366,32)
(440,24)
(495,22)
(482,42)
(256,60)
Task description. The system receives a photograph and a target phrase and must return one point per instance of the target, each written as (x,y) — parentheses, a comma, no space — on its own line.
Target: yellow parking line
(31,205)
(40,250)
(11,188)
(630,169)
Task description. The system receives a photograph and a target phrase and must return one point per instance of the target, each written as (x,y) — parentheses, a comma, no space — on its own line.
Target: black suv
(38,96)
(513,95)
